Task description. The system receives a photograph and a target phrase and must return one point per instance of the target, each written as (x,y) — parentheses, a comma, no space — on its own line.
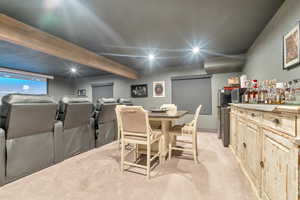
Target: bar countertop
(269,108)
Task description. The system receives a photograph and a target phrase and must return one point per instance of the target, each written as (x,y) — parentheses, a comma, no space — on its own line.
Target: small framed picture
(291,52)
(159,89)
(139,91)
(81,93)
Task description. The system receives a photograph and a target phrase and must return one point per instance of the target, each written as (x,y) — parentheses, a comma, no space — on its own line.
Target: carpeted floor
(96,175)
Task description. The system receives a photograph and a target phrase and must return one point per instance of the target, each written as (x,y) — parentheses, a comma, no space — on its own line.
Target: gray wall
(59,87)
(265,56)
(122,89)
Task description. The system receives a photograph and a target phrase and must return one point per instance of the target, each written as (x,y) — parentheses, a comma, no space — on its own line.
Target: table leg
(165,126)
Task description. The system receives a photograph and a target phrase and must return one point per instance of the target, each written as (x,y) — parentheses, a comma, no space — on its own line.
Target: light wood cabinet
(267,151)
(252,140)
(233,131)
(280,168)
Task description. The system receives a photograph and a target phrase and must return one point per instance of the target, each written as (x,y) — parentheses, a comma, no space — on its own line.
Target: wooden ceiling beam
(18,33)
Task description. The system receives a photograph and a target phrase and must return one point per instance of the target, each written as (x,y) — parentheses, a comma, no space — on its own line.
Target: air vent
(225,64)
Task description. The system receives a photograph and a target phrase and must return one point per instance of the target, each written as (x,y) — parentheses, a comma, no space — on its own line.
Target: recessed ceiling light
(52,4)
(73,70)
(151,57)
(196,50)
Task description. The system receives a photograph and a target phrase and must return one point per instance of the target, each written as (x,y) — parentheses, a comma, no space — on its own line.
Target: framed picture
(81,93)
(159,89)
(139,91)
(291,52)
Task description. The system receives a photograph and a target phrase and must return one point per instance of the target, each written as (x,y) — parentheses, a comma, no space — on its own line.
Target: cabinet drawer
(281,122)
(241,112)
(254,116)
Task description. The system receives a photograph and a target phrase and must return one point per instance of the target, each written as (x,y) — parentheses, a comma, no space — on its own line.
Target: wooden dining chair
(117,109)
(135,129)
(188,130)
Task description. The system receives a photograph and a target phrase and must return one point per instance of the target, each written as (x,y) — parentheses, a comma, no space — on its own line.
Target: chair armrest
(92,133)
(2,157)
(59,150)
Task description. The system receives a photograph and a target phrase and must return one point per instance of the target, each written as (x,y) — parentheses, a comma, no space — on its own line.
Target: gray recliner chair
(106,123)
(27,140)
(78,126)
(126,102)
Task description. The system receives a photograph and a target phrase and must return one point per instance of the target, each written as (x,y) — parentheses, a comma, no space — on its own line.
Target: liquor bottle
(247,92)
(263,92)
(254,93)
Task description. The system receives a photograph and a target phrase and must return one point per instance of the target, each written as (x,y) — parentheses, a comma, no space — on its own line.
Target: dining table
(166,121)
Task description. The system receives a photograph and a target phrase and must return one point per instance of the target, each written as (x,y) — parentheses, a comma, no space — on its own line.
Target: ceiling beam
(16,32)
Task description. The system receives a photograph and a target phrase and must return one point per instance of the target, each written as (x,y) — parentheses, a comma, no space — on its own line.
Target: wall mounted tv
(24,84)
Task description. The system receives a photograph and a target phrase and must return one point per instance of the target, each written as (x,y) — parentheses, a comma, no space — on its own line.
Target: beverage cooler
(224,98)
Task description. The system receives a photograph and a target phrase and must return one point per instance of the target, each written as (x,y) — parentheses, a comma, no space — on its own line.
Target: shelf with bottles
(272,92)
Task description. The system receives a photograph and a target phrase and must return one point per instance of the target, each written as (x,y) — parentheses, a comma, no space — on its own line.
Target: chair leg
(122,155)
(148,160)
(135,152)
(160,150)
(170,147)
(195,148)
(119,134)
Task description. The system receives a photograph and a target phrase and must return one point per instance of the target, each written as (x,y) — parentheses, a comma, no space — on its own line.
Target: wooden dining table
(166,122)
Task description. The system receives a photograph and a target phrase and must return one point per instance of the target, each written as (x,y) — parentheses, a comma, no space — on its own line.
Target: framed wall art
(159,89)
(81,92)
(139,91)
(291,52)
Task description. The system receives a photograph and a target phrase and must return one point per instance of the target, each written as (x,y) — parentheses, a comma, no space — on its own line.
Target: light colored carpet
(96,175)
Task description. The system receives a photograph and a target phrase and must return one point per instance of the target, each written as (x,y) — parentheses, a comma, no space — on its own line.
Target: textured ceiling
(119,26)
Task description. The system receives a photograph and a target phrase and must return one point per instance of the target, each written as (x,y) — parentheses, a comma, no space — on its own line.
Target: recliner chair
(106,122)
(27,140)
(78,126)
(126,102)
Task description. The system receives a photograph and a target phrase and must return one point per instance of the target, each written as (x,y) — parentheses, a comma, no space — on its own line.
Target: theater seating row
(37,132)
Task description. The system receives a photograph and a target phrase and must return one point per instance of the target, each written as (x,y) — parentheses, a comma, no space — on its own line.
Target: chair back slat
(196,116)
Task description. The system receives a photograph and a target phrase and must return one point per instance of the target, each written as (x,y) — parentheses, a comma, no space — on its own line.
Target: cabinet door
(252,140)
(233,132)
(280,168)
(241,128)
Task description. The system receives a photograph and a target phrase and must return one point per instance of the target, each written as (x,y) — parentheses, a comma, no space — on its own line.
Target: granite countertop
(269,108)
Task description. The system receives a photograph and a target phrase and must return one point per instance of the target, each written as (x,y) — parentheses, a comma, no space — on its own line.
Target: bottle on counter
(263,92)
(297,91)
(246,95)
(253,93)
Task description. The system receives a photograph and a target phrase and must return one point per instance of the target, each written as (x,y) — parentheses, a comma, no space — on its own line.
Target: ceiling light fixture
(151,57)
(196,50)
(73,70)
(52,4)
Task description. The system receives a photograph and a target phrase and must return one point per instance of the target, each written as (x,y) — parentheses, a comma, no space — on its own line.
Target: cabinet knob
(244,145)
(253,114)
(262,164)
(276,121)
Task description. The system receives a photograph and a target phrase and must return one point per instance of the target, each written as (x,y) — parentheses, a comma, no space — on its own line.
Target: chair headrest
(106,100)
(123,100)
(74,99)
(26,98)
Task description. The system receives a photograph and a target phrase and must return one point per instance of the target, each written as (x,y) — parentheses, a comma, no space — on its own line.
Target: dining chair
(135,129)
(117,109)
(187,130)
